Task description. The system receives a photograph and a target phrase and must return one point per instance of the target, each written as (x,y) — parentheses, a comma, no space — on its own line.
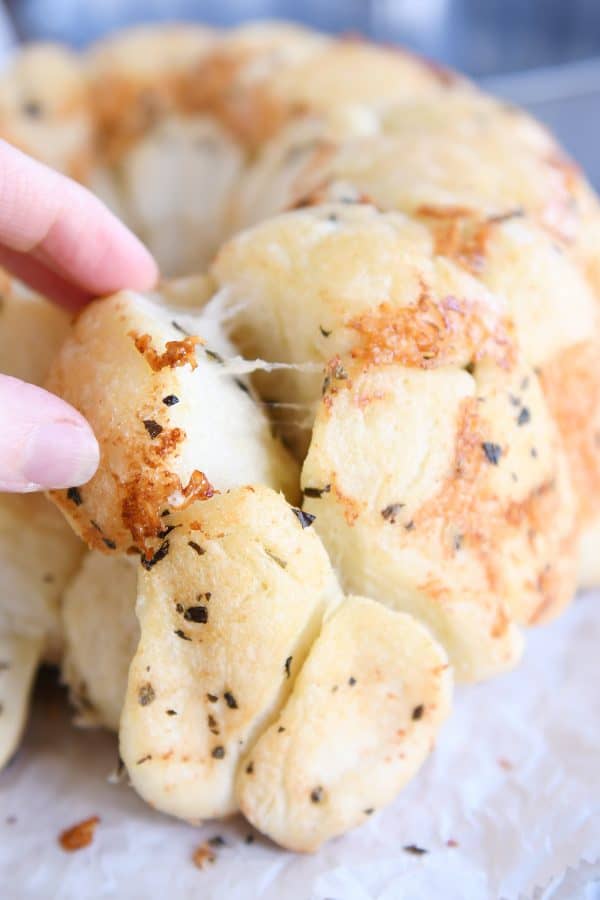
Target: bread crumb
(79,836)
(203,855)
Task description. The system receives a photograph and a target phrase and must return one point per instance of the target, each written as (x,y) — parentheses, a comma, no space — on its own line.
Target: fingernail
(60,454)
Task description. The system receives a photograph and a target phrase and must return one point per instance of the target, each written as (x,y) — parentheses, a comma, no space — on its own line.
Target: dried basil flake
(199,550)
(33,109)
(242,386)
(305,518)
(390,512)
(146,694)
(152,427)
(492,451)
(276,559)
(197,614)
(160,554)
(74,495)
(217,841)
(315,491)
(316,795)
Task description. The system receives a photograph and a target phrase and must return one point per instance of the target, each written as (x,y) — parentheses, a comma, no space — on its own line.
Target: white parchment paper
(514,783)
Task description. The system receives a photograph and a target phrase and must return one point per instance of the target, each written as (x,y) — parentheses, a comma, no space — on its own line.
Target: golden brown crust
(145,105)
(144,501)
(485,520)
(431,334)
(460,233)
(481,535)
(250,113)
(572,385)
(176,353)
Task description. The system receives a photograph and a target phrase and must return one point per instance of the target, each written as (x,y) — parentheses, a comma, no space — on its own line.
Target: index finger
(63,225)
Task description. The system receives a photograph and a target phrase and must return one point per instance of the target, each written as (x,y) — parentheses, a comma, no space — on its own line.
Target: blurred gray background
(543,54)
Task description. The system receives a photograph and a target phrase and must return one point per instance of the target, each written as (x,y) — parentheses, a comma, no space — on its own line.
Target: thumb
(44,442)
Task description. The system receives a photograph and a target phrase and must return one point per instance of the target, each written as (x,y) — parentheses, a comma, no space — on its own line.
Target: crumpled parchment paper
(508,806)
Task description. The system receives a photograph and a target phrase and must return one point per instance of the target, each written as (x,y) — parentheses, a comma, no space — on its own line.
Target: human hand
(63,242)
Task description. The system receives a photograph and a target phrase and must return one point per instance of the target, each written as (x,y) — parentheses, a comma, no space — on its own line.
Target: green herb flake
(198,614)
(156,558)
(316,795)
(390,512)
(197,548)
(33,109)
(305,518)
(152,427)
(146,694)
(276,559)
(492,451)
(217,841)
(316,492)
